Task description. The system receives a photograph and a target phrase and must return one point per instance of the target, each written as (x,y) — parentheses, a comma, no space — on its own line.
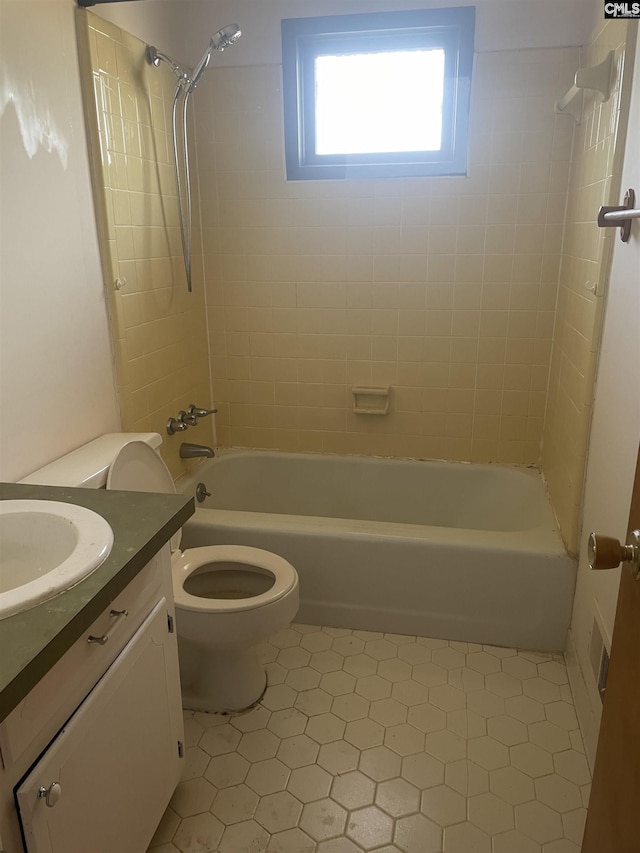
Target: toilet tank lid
(88,466)
(138,468)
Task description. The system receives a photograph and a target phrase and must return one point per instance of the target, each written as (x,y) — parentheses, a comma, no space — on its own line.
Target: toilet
(228,599)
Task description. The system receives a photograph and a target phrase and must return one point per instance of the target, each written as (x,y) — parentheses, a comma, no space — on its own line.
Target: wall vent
(604,672)
(599,658)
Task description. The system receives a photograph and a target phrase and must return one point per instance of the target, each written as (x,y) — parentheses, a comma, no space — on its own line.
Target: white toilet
(229,598)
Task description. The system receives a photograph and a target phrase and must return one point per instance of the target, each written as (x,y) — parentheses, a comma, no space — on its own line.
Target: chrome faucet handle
(197,412)
(174,426)
(190,418)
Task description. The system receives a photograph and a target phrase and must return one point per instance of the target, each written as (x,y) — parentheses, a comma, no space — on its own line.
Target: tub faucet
(191,451)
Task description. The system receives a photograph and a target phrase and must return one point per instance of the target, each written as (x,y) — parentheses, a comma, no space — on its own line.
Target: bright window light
(370,103)
(377,95)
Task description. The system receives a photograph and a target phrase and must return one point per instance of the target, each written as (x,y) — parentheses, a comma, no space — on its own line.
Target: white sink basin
(46,547)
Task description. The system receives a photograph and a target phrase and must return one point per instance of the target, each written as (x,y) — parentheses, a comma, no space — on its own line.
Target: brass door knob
(605,552)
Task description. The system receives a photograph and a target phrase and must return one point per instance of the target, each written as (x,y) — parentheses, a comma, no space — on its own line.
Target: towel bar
(612,216)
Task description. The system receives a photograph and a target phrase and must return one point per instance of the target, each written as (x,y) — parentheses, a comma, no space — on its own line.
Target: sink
(46,547)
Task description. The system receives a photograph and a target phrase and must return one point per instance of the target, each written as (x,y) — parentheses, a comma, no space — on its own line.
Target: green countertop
(32,641)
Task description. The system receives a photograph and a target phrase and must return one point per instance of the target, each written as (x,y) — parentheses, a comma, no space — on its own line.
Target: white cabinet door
(116,761)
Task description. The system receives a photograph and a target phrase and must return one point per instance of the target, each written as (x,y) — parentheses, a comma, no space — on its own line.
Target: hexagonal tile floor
(388,743)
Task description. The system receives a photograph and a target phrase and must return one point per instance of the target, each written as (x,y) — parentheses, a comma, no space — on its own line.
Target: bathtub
(437,549)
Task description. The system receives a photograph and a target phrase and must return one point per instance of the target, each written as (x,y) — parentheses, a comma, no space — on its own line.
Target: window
(377,95)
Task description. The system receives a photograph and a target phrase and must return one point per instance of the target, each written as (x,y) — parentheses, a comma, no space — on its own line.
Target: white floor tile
(369,741)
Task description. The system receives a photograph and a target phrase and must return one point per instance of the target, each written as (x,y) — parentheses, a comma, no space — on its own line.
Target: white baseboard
(588,716)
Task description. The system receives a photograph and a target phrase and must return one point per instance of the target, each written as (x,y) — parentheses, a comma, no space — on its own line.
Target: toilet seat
(138,468)
(184,564)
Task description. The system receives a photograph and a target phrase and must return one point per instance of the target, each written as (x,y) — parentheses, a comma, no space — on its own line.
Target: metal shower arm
(155,56)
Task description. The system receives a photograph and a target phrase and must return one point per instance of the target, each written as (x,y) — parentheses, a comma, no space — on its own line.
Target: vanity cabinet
(93,754)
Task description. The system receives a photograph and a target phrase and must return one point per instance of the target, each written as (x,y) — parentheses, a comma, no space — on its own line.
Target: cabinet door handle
(50,795)
(118,616)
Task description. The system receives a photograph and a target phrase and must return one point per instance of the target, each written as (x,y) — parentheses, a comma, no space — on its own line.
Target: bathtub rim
(537,540)
(527,469)
(540,539)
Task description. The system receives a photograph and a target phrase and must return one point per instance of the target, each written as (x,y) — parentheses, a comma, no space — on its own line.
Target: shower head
(226,36)
(221,40)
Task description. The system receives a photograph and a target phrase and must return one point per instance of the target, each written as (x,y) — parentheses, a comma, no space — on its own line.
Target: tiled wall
(443,288)
(584,266)
(158,329)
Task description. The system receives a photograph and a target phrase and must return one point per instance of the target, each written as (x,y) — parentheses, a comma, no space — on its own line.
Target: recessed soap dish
(371,399)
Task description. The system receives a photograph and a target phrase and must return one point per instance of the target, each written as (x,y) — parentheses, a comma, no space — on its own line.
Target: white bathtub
(465,552)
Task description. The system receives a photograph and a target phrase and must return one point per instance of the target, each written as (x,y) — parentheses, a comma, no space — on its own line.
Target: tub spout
(191,451)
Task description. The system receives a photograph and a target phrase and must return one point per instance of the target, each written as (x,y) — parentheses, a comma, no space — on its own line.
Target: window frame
(305,38)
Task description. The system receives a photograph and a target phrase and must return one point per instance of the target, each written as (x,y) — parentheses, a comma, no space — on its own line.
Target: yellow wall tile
(425,283)
(162,353)
(596,150)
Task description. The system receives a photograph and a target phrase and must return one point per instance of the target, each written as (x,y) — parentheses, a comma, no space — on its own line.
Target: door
(105,781)
(613,818)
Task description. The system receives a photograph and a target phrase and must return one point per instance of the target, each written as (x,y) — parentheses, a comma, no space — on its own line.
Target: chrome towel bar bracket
(614,216)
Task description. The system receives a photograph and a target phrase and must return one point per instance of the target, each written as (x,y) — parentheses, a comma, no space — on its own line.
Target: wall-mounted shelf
(599,79)
(371,399)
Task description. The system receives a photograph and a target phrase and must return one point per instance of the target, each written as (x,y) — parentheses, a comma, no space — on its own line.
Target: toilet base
(220,681)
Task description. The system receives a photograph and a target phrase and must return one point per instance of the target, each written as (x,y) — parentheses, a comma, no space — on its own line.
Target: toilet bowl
(228,599)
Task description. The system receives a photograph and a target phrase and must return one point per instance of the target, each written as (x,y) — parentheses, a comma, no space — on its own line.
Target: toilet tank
(88,466)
